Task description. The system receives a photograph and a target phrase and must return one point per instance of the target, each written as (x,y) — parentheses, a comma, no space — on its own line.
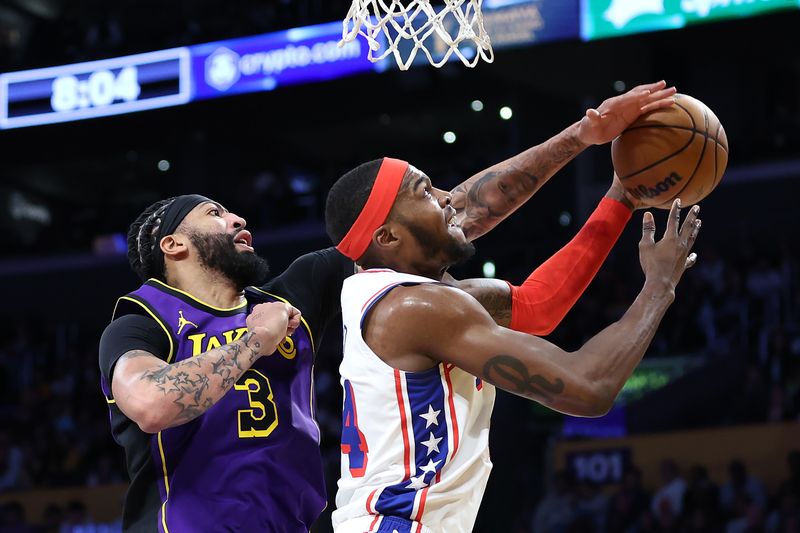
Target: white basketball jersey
(415,445)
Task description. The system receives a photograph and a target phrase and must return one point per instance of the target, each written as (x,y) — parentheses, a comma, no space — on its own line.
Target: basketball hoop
(403,28)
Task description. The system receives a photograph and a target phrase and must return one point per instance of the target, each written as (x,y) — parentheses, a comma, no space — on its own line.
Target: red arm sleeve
(544,299)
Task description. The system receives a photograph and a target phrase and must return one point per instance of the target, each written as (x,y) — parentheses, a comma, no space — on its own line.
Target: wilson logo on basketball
(660,188)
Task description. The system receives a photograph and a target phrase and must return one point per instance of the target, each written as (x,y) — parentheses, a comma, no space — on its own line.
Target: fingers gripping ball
(679,151)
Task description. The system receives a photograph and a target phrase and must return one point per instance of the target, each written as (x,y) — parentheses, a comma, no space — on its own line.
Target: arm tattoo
(190,389)
(253,344)
(496,299)
(508,372)
(497,304)
(563,152)
(480,202)
(489,197)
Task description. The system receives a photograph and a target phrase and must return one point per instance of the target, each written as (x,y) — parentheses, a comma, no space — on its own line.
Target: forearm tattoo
(481,204)
(191,383)
(489,197)
(563,151)
(511,374)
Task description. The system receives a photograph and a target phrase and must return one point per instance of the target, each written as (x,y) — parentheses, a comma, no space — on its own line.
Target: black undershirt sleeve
(313,284)
(130,332)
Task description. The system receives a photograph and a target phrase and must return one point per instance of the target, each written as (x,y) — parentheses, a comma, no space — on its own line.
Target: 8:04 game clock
(95,89)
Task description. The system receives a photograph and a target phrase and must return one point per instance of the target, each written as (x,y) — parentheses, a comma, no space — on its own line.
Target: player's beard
(218,252)
(454,251)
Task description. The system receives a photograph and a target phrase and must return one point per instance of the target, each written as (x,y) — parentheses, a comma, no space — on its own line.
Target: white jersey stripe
(405,417)
(451,417)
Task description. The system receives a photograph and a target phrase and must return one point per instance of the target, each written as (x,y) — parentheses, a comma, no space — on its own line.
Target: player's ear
(386,236)
(174,245)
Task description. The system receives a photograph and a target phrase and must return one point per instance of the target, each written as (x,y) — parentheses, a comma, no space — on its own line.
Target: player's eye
(214,212)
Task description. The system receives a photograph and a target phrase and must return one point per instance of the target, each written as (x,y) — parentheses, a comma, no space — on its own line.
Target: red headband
(379,203)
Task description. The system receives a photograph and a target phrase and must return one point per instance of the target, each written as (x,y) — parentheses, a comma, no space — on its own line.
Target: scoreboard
(96,88)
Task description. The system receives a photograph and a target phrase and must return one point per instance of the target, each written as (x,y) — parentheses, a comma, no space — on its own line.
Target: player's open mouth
(451,220)
(245,239)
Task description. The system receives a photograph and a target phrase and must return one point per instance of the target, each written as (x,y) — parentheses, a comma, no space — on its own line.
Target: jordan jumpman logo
(183,322)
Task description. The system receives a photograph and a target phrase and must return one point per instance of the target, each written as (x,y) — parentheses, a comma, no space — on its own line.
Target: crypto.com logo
(222,68)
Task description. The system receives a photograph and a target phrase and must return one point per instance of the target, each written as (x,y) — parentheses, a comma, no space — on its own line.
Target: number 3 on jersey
(354,445)
(262,417)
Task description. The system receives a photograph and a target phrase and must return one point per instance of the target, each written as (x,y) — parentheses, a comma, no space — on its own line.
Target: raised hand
(294,320)
(666,260)
(610,119)
(268,324)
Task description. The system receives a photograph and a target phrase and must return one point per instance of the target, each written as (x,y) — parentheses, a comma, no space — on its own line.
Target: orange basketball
(677,152)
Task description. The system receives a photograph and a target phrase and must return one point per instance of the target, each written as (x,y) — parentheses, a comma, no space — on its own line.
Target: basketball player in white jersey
(422,357)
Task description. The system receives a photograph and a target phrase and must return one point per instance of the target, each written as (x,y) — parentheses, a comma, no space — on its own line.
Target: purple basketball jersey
(252,461)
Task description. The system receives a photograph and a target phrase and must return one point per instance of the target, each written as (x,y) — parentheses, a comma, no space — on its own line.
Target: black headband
(173,214)
(176,212)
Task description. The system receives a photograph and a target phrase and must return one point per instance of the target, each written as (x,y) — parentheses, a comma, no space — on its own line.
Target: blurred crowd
(55,430)
(685,502)
(70,518)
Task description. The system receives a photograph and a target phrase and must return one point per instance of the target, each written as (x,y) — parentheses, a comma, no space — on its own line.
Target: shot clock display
(95,89)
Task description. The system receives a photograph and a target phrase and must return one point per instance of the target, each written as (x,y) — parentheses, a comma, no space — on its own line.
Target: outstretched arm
(542,301)
(450,326)
(490,196)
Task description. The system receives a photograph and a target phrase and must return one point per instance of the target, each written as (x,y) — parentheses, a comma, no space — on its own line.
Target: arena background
(720,383)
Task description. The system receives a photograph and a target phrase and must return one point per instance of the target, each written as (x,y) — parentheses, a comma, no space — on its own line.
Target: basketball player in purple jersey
(219,437)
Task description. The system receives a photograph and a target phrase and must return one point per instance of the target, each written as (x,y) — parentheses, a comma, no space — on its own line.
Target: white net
(404,28)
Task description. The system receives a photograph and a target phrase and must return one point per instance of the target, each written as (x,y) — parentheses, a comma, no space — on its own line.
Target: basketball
(677,152)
